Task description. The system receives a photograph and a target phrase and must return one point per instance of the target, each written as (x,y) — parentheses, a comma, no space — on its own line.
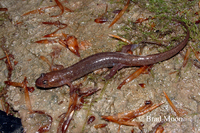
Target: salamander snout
(42,75)
(42,81)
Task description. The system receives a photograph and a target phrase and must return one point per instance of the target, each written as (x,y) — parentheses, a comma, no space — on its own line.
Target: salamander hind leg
(113,71)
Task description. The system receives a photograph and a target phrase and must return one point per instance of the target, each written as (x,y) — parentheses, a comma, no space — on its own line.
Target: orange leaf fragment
(120,14)
(24,86)
(133,75)
(72,44)
(186,57)
(61,8)
(197,53)
(100,125)
(179,112)
(124,118)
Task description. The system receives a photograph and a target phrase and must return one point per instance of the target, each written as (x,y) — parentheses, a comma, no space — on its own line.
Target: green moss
(4,16)
(168,7)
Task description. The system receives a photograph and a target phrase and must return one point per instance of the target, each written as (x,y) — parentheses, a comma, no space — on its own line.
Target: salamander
(103,60)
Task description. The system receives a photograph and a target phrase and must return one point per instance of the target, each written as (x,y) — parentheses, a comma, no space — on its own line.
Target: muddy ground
(180,83)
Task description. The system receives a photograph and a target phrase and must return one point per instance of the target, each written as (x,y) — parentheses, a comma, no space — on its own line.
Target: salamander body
(103,60)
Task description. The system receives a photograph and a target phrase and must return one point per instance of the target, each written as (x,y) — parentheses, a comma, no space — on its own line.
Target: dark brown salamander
(103,60)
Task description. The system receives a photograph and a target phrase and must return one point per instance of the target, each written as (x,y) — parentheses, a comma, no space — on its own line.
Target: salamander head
(48,80)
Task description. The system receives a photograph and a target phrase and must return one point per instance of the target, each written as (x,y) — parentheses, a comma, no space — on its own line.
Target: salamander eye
(45,82)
